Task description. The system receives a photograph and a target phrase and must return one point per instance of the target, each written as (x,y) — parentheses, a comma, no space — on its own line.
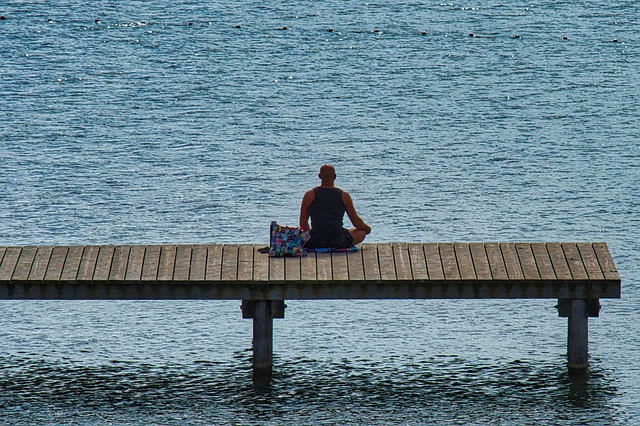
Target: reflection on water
(305,391)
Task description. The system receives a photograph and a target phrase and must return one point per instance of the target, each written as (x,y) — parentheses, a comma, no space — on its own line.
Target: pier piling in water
(262,312)
(262,338)
(578,340)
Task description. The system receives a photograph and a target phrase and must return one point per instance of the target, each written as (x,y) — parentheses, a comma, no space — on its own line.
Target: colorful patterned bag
(287,241)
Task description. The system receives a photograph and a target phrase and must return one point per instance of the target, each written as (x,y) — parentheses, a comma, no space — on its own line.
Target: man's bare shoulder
(309,196)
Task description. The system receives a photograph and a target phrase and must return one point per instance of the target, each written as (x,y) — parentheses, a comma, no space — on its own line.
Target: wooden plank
(527,261)
(40,264)
(606,262)
(339,266)
(72,264)
(402,261)
(480,261)
(590,261)
(167,262)
(465,262)
(418,262)
(56,263)
(387,265)
(292,266)
(399,261)
(434,261)
(88,263)
(496,262)
(136,260)
(449,263)
(511,261)
(198,267)
(214,262)
(3,250)
(260,265)
(276,268)
(23,267)
(355,265)
(323,267)
(229,262)
(183,263)
(245,262)
(370,261)
(103,264)
(308,267)
(558,261)
(119,264)
(150,263)
(574,261)
(542,259)
(9,263)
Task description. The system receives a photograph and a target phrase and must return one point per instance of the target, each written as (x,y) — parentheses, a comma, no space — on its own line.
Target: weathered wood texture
(578,335)
(376,271)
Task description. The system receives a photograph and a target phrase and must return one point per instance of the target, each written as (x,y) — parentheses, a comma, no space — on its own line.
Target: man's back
(327,212)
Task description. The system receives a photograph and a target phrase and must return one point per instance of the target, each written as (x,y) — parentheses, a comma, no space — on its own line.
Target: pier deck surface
(376,271)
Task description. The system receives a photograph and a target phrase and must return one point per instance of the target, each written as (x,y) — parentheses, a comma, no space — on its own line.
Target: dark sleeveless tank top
(326,211)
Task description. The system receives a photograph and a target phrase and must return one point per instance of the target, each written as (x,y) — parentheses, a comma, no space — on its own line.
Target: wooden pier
(577,274)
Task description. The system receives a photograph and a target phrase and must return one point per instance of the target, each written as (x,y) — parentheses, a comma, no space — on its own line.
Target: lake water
(202,121)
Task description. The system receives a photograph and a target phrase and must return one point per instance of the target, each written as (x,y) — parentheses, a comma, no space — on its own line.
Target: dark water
(189,363)
(142,128)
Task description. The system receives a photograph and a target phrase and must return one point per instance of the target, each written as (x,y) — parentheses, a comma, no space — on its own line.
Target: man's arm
(353,216)
(308,198)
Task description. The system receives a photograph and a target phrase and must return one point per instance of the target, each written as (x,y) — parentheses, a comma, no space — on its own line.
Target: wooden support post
(578,336)
(262,338)
(263,312)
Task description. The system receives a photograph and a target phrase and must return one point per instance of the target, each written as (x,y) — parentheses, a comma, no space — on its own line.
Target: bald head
(327,174)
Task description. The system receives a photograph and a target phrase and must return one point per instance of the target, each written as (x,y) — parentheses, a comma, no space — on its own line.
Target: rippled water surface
(185,122)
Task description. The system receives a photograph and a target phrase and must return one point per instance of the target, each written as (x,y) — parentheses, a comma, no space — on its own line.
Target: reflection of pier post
(262,312)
